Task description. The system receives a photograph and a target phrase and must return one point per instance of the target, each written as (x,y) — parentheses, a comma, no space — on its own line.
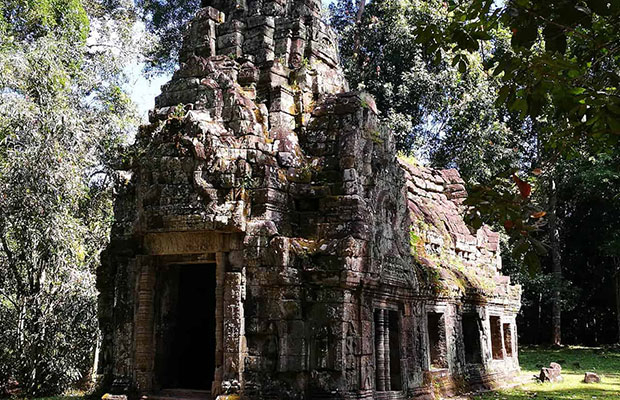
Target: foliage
(589,220)
(509,199)
(165,21)
(27,20)
(63,115)
(589,207)
(575,362)
(562,63)
(559,71)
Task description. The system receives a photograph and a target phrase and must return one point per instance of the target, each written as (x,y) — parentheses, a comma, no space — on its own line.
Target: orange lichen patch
(309,107)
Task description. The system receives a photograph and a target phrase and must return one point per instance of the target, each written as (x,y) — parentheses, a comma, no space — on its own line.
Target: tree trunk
(21,325)
(361,5)
(554,233)
(616,261)
(95,369)
(538,324)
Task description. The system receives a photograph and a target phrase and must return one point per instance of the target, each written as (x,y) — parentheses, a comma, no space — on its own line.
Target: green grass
(61,398)
(69,395)
(575,362)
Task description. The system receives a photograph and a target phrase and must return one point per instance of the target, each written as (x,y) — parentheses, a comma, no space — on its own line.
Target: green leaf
(577,91)
(614,108)
(503,94)
(614,124)
(540,248)
(532,261)
(437,58)
(462,66)
(520,105)
(520,248)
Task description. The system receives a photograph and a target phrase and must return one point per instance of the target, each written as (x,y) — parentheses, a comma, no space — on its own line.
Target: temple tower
(266,235)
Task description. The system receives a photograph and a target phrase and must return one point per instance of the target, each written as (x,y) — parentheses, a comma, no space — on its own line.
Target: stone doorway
(157,318)
(186,320)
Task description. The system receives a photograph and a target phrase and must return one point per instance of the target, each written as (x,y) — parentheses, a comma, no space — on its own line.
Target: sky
(143,91)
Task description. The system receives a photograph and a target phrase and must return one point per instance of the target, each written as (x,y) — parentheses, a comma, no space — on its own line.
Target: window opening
(437,340)
(496,338)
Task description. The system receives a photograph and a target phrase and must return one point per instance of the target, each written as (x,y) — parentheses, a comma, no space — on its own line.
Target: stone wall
(329,252)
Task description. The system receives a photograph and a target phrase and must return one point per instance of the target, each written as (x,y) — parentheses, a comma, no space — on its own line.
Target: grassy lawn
(70,396)
(575,362)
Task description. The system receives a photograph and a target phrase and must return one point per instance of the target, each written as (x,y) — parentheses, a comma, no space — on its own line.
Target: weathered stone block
(553,373)
(591,377)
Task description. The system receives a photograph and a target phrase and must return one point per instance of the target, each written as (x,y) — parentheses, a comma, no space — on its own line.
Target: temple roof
(457,259)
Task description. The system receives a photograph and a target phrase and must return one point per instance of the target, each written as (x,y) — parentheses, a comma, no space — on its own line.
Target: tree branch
(557,24)
(11,260)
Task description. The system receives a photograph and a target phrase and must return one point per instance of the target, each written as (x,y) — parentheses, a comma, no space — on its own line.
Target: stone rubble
(552,374)
(591,377)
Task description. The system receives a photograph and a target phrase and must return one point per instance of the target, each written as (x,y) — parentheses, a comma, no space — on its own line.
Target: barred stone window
(387,350)
(496,338)
(437,340)
(508,339)
(471,338)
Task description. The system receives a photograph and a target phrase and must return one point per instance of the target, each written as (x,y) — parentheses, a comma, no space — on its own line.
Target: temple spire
(266,7)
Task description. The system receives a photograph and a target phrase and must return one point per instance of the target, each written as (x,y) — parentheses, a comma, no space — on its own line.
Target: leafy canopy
(562,65)
(436,111)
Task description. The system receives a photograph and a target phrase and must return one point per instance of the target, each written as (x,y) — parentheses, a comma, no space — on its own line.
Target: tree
(588,204)
(436,111)
(563,54)
(63,115)
(561,71)
(165,21)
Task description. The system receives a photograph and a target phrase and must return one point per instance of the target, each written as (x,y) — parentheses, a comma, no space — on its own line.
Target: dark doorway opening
(395,342)
(186,348)
(471,338)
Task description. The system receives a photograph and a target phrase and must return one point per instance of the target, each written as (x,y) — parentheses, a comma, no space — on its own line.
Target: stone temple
(268,234)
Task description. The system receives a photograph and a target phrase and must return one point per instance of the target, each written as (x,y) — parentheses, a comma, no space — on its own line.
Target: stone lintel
(189,242)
